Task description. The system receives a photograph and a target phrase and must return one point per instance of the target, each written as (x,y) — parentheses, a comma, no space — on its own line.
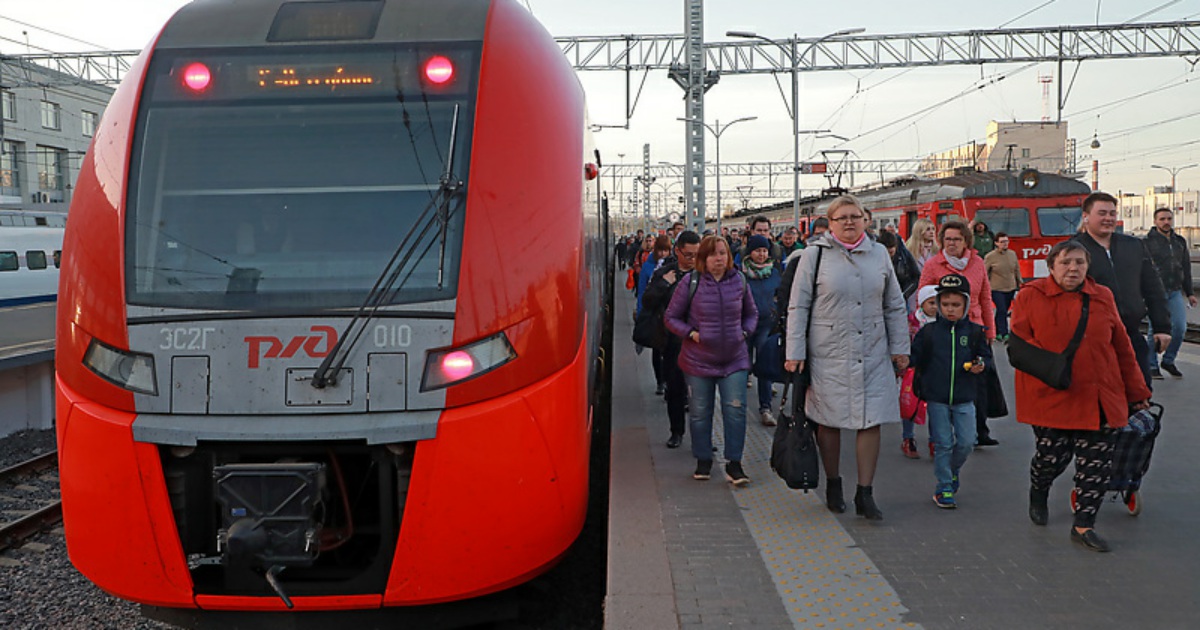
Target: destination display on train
(299,77)
(442,71)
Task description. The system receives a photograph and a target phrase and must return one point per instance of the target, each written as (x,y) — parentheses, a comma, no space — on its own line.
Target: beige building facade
(1009,145)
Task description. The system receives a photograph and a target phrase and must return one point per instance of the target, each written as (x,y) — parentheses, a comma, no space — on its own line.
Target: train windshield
(1011,221)
(1059,221)
(288,180)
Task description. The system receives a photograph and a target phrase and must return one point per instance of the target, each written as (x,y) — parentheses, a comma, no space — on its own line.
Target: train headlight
(455,365)
(130,370)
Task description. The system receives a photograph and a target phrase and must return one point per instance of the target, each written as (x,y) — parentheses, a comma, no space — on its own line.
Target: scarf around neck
(958,263)
(755,271)
(849,246)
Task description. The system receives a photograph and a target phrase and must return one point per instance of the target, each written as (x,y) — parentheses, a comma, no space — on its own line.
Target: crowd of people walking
(861,312)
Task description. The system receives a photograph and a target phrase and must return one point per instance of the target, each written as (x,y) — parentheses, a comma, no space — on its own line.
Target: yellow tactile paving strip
(824,579)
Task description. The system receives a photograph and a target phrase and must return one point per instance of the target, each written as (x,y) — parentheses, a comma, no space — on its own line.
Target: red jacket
(1104,374)
(981,310)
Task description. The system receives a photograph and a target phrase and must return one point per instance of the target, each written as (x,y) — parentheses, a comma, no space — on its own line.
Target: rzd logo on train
(316,346)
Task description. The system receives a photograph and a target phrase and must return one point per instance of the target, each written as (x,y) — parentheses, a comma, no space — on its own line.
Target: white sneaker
(768,420)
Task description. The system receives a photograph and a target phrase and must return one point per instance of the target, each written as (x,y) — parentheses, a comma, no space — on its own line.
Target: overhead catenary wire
(46,30)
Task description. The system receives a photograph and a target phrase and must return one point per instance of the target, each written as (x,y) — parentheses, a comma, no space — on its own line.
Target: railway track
(30,494)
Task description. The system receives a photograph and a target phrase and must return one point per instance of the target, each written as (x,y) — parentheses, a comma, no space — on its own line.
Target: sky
(1143,111)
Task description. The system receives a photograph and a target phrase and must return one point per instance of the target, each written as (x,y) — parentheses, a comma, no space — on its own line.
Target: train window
(9,261)
(289,199)
(35,259)
(1012,221)
(58,259)
(1059,221)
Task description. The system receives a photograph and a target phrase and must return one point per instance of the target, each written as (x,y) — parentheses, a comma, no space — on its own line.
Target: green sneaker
(945,500)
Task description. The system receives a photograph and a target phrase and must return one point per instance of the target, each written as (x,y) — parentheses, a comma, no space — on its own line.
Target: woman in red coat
(1106,382)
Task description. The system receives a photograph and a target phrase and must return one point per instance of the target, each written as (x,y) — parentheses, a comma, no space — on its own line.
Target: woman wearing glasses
(956,256)
(858,332)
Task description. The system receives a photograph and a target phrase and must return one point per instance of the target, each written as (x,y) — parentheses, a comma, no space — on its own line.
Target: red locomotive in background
(302,359)
(1035,209)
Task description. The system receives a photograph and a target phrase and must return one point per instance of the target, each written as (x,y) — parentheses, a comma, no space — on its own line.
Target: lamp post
(717,131)
(795,59)
(1173,172)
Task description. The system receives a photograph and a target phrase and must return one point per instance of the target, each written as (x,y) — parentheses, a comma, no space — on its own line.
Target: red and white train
(302,358)
(1035,209)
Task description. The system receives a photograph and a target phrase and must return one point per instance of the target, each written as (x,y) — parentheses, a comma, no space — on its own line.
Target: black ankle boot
(1039,513)
(864,504)
(833,495)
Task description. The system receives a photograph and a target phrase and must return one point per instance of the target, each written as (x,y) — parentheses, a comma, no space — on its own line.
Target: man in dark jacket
(1169,251)
(1122,264)
(655,298)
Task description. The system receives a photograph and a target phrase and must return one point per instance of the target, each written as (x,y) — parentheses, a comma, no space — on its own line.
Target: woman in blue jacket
(714,317)
(763,275)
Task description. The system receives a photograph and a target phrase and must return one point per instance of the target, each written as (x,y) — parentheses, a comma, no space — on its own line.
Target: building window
(51,165)
(10,168)
(8,104)
(1024,153)
(90,121)
(51,115)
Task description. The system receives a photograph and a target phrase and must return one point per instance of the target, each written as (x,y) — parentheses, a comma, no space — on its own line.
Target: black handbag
(794,455)
(648,329)
(997,406)
(1051,368)
(768,359)
(794,448)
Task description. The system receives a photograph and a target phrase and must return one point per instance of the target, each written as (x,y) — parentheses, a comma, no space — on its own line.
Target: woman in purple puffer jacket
(714,324)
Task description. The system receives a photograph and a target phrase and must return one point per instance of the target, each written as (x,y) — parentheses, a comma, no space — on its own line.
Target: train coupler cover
(269,513)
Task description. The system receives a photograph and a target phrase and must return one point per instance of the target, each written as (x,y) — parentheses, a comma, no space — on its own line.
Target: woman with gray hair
(858,333)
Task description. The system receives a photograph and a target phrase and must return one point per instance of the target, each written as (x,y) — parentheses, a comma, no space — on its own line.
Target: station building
(1043,145)
(1137,211)
(47,123)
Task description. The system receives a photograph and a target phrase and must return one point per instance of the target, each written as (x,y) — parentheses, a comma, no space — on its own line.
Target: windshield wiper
(385,287)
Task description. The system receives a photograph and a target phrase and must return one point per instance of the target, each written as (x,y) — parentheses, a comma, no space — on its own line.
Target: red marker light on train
(591,171)
(197,77)
(439,70)
(457,365)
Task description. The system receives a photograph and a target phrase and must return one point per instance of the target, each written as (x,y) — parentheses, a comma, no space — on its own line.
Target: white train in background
(30,255)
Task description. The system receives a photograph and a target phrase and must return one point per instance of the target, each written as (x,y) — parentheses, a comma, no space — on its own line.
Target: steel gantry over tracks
(662,52)
(1062,43)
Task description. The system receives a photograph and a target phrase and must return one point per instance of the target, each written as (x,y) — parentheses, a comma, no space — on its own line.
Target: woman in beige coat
(859,332)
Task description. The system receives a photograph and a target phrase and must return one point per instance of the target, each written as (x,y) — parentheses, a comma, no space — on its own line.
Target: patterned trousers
(1093,453)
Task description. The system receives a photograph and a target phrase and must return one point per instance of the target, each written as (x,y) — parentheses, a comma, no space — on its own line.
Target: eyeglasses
(952,239)
(687,255)
(850,218)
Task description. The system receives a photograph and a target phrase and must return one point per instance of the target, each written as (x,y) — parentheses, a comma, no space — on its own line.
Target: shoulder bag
(794,448)
(1051,368)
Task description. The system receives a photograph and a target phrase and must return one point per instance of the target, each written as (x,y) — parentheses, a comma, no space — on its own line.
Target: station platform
(699,555)
(26,334)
